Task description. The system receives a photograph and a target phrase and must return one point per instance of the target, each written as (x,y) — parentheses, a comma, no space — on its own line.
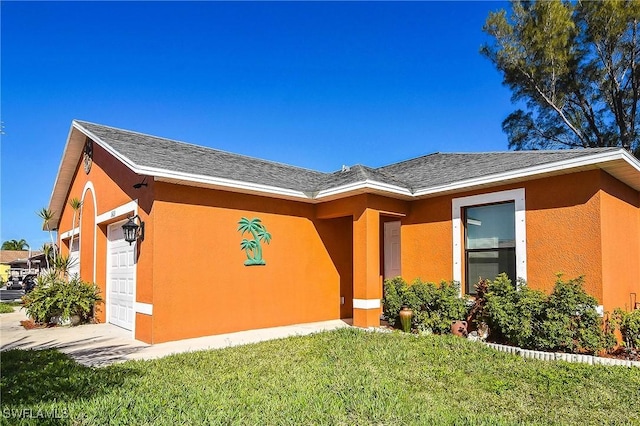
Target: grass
(343,377)
(7,307)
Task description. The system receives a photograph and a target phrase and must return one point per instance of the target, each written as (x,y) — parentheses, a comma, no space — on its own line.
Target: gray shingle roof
(422,172)
(151,151)
(441,169)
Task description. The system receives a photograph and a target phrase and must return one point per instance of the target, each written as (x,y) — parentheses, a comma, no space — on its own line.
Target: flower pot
(459,328)
(406,314)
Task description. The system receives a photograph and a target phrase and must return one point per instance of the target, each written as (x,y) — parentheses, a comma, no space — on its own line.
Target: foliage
(47,216)
(342,377)
(566,320)
(5,308)
(53,296)
(75,205)
(15,244)
(575,65)
(629,324)
(49,251)
(62,264)
(512,314)
(435,306)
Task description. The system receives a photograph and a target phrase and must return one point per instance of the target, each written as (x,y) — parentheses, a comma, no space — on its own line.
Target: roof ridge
(534,151)
(202,146)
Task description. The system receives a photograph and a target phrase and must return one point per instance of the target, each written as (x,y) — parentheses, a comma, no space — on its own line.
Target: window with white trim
(490,245)
(509,242)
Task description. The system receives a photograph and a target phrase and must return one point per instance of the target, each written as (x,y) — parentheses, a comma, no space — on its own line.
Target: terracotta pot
(459,328)
(405,318)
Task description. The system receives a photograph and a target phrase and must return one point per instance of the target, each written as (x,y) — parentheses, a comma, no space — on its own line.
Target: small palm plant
(75,205)
(47,216)
(48,254)
(253,248)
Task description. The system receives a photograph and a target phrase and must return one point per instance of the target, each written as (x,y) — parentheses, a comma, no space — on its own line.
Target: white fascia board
(64,177)
(590,160)
(125,160)
(221,182)
(191,177)
(363,185)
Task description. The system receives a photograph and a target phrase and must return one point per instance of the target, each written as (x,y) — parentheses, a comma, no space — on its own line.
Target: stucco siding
(620,244)
(562,228)
(201,285)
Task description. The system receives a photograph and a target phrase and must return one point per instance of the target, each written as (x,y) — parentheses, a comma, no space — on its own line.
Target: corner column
(367,284)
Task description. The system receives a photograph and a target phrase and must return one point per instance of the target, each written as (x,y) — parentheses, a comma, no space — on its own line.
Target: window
(490,245)
(486,250)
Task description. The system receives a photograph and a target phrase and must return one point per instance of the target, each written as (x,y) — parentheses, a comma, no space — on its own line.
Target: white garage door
(121,274)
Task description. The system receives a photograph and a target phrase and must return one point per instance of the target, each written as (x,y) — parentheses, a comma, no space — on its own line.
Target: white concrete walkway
(104,344)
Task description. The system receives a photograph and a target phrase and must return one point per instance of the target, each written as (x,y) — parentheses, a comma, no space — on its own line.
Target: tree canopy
(15,245)
(574,66)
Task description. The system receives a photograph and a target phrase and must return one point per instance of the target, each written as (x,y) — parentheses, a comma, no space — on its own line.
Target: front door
(392,249)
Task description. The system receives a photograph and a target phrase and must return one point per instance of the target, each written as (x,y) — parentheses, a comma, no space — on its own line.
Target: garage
(121,273)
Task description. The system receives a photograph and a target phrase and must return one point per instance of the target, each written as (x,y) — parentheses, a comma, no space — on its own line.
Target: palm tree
(47,250)
(253,248)
(15,244)
(47,216)
(75,205)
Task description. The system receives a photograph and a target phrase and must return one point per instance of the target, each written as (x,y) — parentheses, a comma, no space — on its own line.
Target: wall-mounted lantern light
(133,231)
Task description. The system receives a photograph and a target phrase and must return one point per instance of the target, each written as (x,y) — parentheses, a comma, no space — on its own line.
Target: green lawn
(344,377)
(7,307)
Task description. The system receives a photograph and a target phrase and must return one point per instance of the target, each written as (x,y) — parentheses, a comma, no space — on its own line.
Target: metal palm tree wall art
(253,247)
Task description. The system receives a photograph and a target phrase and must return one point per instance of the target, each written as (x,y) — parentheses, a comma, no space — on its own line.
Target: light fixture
(141,184)
(133,231)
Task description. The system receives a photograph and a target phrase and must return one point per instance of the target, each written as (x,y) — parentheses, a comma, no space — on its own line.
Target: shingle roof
(358,173)
(440,169)
(160,154)
(151,151)
(8,256)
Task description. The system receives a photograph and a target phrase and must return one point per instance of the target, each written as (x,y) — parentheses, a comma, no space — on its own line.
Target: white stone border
(561,356)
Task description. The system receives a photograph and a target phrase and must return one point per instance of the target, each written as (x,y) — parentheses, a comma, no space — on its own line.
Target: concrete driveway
(103,344)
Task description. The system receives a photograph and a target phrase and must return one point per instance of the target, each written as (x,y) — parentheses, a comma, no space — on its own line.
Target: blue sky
(313,84)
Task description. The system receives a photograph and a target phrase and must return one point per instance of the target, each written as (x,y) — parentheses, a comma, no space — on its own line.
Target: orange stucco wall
(201,285)
(620,244)
(577,224)
(190,266)
(112,185)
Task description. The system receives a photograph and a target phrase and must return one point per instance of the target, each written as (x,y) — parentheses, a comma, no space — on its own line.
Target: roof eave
(70,157)
(364,186)
(620,164)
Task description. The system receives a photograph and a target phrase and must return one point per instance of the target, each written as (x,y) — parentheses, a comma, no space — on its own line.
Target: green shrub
(5,308)
(572,322)
(629,324)
(394,295)
(511,313)
(53,296)
(434,306)
(566,320)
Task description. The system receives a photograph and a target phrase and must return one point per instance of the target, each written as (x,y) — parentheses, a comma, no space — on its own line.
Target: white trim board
(70,233)
(515,195)
(143,308)
(366,303)
(130,207)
